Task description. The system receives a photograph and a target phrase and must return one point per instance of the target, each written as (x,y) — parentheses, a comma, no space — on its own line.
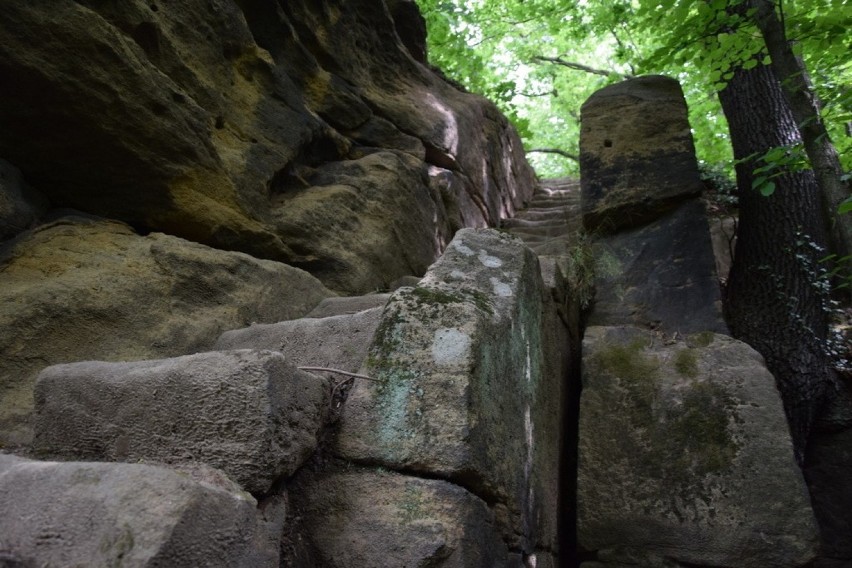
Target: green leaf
(758,181)
(767,189)
(845,207)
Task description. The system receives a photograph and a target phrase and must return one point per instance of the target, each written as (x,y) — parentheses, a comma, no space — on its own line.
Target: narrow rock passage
(550,223)
(551,226)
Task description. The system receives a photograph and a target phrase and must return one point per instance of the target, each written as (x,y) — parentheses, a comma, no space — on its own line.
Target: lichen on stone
(686,362)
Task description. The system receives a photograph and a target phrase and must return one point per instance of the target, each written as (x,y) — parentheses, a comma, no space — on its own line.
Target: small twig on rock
(339,372)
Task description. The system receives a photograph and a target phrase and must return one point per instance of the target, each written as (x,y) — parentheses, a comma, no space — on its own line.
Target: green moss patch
(627,360)
(686,362)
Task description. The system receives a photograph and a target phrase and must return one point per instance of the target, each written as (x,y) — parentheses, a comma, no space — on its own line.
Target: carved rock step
(339,341)
(520,223)
(545,201)
(545,214)
(553,231)
(560,184)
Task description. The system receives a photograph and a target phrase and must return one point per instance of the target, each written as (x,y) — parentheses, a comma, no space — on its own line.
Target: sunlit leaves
(490,46)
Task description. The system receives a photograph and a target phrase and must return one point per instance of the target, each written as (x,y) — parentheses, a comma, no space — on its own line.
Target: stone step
(336,306)
(523,232)
(337,341)
(560,213)
(543,202)
(553,247)
(560,183)
(519,223)
(548,192)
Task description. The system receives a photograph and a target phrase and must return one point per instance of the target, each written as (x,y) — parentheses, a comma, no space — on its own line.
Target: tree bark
(804,105)
(773,300)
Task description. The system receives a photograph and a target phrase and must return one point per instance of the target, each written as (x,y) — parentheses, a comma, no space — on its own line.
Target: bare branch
(580,67)
(339,372)
(552,92)
(562,153)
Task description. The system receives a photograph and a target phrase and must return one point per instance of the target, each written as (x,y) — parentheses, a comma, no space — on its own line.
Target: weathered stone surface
(99,514)
(366,221)
(373,519)
(88,289)
(249,413)
(472,391)
(342,305)
(20,205)
(637,157)
(340,341)
(661,276)
(685,455)
(244,124)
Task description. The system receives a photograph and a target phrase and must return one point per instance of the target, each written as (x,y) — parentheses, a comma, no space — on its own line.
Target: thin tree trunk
(773,302)
(804,105)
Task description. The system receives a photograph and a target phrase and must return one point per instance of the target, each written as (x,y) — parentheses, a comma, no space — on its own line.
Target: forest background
(539,60)
(779,71)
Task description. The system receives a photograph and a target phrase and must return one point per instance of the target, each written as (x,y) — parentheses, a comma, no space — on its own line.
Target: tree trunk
(773,298)
(797,87)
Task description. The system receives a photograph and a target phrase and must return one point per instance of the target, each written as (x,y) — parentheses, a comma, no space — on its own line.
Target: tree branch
(580,66)
(339,372)
(562,153)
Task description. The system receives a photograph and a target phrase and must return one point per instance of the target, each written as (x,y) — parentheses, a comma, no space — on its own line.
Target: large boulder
(87,289)
(685,457)
(655,265)
(637,157)
(244,124)
(470,387)
(372,519)
(100,514)
(660,276)
(249,413)
(340,342)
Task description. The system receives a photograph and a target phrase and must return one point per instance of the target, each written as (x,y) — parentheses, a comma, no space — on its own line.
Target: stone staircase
(257,427)
(552,220)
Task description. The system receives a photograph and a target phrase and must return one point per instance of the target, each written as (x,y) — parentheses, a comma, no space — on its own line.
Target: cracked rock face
(249,413)
(468,386)
(104,514)
(89,289)
(299,131)
(371,518)
(637,157)
(685,455)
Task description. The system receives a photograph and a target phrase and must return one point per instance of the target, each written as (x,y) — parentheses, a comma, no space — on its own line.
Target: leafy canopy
(539,60)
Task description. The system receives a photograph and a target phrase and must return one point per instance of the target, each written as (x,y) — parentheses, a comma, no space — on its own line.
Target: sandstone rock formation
(303,132)
(472,388)
(372,519)
(249,413)
(636,153)
(98,514)
(685,455)
(640,188)
(472,368)
(161,144)
(339,342)
(82,288)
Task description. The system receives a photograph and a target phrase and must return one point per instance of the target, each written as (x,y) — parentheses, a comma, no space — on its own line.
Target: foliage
(500,48)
